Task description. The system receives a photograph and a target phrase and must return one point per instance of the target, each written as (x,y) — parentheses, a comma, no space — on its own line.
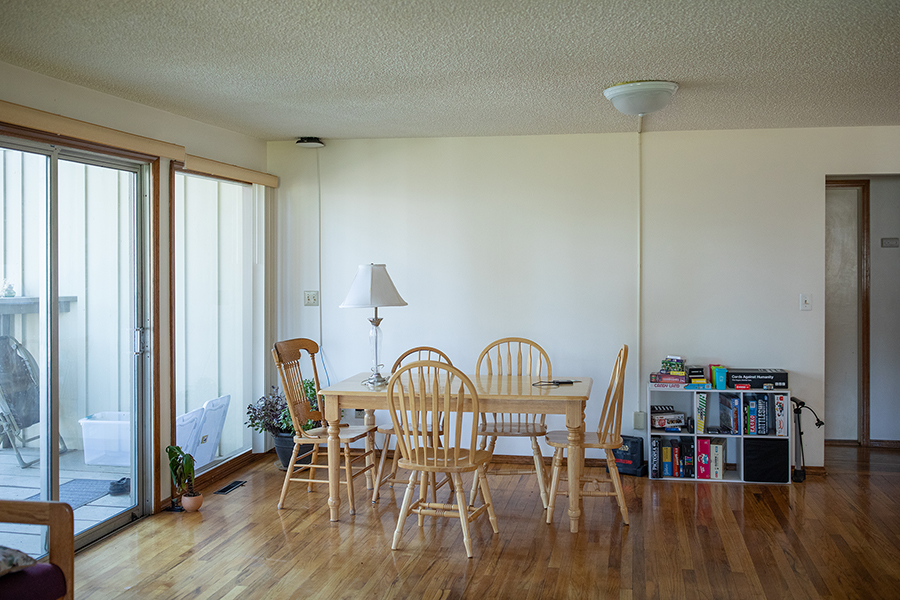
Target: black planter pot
(284,445)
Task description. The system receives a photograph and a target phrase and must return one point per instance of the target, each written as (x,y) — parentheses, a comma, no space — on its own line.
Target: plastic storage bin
(107,438)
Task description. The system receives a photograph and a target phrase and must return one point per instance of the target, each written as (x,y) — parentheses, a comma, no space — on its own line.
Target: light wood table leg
(575,425)
(333,416)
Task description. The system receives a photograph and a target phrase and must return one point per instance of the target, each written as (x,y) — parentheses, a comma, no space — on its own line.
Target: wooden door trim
(865,282)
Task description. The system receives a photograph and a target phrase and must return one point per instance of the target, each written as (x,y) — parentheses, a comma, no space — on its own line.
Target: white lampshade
(372,288)
(640,97)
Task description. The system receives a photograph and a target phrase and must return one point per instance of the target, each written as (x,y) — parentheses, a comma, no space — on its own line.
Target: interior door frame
(865,282)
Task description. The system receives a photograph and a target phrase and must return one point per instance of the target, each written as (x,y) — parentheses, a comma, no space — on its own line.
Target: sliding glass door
(72,343)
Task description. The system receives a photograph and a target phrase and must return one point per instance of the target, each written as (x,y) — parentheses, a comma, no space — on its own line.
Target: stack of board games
(701,398)
(762,417)
(673,374)
(671,371)
(781,415)
(664,416)
(696,374)
(710,458)
(703,458)
(672,364)
(729,414)
(672,457)
(716,458)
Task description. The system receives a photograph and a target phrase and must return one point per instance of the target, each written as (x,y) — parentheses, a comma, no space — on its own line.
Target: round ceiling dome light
(310,142)
(640,97)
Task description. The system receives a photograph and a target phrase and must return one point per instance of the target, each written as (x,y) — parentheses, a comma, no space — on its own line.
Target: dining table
(496,394)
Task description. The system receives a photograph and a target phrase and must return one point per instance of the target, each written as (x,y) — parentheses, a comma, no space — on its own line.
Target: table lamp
(373,288)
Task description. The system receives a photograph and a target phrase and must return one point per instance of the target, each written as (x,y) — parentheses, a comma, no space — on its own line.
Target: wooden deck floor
(834,536)
(17,483)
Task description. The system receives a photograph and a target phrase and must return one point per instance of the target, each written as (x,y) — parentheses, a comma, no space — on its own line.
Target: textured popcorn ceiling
(278,69)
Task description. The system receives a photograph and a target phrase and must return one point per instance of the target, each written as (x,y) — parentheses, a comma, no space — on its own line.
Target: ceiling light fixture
(640,97)
(310,142)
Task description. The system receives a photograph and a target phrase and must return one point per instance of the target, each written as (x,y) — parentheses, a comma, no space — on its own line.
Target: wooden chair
(287,355)
(428,401)
(608,437)
(514,356)
(56,578)
(418,353)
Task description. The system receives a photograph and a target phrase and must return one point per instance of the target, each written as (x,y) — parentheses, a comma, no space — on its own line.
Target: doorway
(72,343)
(847,293)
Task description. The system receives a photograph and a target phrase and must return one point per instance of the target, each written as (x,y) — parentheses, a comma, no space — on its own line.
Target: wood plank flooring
(833,536)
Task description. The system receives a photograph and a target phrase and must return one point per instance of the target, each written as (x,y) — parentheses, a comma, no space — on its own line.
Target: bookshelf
(758,451)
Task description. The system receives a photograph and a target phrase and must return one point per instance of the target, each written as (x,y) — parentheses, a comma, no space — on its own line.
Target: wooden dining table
(503,394)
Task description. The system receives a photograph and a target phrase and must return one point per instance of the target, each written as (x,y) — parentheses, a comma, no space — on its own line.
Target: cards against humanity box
(756,378)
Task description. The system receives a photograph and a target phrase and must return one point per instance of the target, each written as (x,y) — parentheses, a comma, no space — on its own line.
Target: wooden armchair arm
(60,519)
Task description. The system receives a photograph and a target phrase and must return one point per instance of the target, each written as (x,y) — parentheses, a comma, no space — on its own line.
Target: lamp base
(376,380)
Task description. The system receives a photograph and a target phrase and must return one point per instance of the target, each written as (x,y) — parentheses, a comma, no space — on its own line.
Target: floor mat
(79,492)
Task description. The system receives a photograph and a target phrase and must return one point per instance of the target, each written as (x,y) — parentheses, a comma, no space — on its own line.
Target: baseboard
(817,471)
(239,462)
(548,461)
(872,443)
(884,444)
(850,443)
(510,459)
(219,473)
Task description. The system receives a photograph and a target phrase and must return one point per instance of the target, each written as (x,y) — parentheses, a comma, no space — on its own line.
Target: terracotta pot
(192,503)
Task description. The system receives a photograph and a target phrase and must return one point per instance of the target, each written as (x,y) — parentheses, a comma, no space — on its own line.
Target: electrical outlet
(311,298)
(360,413)
(640,420)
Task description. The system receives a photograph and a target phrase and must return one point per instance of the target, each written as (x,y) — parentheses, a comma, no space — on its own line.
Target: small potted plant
(181,465)
(270,414)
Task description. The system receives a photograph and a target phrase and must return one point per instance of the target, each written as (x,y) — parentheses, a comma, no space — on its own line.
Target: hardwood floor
(833,536)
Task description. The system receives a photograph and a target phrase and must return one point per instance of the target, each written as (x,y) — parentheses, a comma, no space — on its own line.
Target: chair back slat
(429,391)
(610,427)
(421,353)
(288,355)
(514,356)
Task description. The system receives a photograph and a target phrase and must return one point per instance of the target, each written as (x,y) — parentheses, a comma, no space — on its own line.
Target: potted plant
(270,414)
(181,465)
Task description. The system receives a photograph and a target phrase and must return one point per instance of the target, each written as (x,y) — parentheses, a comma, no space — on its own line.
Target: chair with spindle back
(43,581)
(607,437)
(517,357)
(418,353)
(429,403)
(287,355)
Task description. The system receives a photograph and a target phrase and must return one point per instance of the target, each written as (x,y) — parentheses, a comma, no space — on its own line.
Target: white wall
(538,236)
(884,207)
(30,89)
(483,237)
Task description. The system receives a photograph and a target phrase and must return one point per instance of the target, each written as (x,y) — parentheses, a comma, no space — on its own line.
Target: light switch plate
(311,298)
(805,301)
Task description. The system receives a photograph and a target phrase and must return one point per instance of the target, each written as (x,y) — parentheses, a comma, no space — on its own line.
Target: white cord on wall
(319,274)
(640,269)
